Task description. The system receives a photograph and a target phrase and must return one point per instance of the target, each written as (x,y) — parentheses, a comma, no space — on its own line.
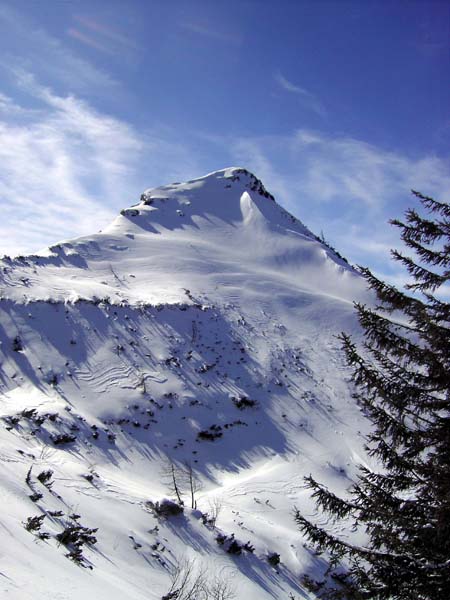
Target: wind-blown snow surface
(205,311)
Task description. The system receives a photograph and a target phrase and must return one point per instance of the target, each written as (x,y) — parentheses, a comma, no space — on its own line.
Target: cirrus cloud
(66,169)
(57,167)
(344,187)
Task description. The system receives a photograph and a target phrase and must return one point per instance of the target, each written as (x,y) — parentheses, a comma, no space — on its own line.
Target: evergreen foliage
(402,377)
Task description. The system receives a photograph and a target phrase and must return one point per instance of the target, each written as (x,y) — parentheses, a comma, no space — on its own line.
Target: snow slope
(199,326)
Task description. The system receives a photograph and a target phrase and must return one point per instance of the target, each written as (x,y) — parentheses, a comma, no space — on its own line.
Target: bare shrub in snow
(215,506)
(187,583)
(191,583)
(192,481)
(221,589)
(172,478)
(179,478)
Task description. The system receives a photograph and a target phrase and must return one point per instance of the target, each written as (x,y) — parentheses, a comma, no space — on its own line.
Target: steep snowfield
(200,326)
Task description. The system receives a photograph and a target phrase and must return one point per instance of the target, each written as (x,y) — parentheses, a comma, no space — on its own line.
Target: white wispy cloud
(9,107)
(67,169)
(88,40)
(207,30)
(343,167)
(63,172)
(97,34)
(105,31)
(345,187)
(43,54)
(307,99)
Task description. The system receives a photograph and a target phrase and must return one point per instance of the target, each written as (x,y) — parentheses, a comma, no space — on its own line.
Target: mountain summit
(208,233)
(187,351)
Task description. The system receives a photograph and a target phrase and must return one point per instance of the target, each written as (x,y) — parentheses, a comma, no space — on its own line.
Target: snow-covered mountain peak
(194,335)
(207,235)
(235,178)
(215,196)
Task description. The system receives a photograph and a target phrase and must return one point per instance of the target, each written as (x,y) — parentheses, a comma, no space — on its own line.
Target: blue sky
(339,107)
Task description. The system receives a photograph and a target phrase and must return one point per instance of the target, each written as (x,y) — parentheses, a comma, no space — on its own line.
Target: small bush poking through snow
(74,537)
(243,402)
(232,546)
(17,345)
(77,535)
(166,508)
(44,477)
(53,379)
(63,438)
(214,432)
(273,559)
(35,496)
(34,523)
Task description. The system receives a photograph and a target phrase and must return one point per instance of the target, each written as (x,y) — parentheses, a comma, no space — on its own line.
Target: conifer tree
(402,378)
